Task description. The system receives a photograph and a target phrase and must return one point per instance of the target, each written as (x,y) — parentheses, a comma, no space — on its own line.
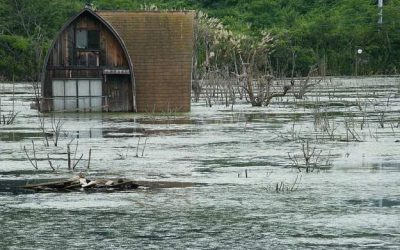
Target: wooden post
(69,156)
(90,154)
(137,147)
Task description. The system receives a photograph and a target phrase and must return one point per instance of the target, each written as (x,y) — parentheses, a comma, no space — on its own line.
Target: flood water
(353,201)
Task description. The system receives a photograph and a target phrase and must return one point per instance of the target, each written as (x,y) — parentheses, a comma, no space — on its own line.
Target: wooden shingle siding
(160,46)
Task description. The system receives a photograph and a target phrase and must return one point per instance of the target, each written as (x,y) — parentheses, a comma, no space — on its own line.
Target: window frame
(87,37)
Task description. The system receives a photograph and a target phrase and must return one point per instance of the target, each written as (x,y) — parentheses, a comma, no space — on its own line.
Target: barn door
(58,95)
(119,93)
(95,95)
(82,95)
(70,95)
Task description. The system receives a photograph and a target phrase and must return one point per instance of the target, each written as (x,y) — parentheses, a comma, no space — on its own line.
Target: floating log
(101,185)
(76,184)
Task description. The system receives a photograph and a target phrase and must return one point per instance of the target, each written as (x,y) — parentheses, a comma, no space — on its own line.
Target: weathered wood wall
(65,61)
(65,54)
(118,91)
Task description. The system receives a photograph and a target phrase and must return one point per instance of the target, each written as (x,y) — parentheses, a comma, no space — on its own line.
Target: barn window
(93,39)
(79,94)
(88,39)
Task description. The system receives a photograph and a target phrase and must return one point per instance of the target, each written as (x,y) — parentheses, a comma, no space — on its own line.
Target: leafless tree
(56,125)
(310,159)
(305,85)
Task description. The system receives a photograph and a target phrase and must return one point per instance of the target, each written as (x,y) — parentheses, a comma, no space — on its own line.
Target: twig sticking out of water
(34,153)
(296,182)
(10,118)
(245,173)
(308,154)
(138,145)
(349,125)
(311,159)
(145,142)
(56,126)
(307,84)
(76,150)
(50,163)
(76,163)
(30,160)
(287,187)
(42,127)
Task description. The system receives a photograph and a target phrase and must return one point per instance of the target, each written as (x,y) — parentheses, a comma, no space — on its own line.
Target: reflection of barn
(120,61)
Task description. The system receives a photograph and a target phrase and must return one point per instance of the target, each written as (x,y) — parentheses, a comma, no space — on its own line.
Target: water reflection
(16,136)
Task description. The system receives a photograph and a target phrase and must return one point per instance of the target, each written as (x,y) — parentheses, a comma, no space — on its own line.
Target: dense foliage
(323,32)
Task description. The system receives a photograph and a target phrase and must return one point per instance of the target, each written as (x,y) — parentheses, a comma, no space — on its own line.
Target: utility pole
(380,11)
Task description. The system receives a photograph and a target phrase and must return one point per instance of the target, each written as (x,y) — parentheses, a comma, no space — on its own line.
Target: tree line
(341,37)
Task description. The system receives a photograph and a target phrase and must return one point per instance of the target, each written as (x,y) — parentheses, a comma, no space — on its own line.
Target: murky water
(353,202)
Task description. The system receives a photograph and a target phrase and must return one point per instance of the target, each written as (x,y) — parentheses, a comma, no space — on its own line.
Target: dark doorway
(119,93)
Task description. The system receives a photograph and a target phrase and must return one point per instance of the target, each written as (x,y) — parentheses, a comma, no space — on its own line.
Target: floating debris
(80,183)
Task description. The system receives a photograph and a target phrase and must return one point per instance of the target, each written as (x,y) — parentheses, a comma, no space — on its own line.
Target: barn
(120,61)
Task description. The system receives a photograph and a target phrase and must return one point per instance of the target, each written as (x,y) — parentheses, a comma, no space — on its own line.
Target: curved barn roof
(160,45)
